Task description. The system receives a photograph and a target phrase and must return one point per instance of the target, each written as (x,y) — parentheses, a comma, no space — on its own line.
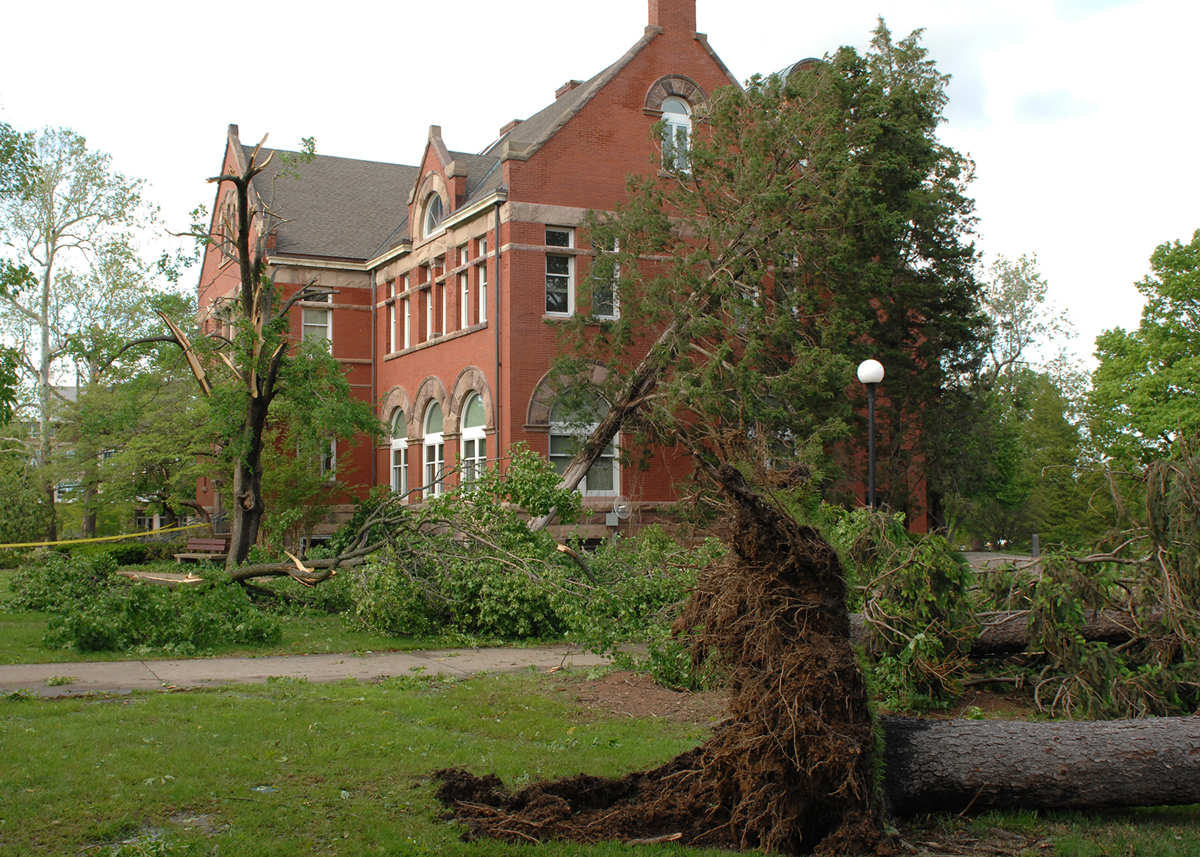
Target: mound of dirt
(790,770)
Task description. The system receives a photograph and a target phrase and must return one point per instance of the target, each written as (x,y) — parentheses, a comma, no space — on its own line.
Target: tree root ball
(790,771)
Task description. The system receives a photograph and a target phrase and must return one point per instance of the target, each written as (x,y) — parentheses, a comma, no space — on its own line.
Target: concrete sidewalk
(125,676)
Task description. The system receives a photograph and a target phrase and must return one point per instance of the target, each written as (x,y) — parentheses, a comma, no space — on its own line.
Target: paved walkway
(125,676)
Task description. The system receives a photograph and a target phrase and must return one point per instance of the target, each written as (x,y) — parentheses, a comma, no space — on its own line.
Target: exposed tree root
(791,770)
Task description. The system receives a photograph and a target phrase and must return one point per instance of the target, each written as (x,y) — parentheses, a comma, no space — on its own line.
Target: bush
(387,601)
(183,621)
(53,583)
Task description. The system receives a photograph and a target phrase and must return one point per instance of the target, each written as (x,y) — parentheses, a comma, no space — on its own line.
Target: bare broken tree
(243,372)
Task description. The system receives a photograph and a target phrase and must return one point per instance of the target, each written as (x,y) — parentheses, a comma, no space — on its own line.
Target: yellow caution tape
(103,538)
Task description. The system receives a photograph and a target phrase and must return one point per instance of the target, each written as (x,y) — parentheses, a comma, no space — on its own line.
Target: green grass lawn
(295,768)
(292,768)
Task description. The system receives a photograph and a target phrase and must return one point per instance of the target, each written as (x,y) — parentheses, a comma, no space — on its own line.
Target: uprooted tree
(791,770)
(815,221)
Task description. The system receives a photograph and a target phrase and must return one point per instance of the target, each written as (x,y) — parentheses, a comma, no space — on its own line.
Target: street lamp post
(870,373)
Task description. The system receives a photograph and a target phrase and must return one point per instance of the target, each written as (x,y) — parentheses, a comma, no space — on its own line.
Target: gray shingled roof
(339,207)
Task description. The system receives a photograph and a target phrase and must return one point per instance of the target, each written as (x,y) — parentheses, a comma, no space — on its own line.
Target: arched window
(434,452)
(570,428)
(433,214)
(677,131)
(474,442)
(399,452)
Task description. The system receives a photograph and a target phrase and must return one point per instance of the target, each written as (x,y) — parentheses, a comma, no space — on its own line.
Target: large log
(976,765)
(1003,632)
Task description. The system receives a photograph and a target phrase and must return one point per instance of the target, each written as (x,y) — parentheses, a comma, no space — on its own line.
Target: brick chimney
(678,16)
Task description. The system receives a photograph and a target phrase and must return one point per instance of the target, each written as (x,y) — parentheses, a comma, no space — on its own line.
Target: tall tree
(69,218)
(816,221)
(1145,389)
(260,364)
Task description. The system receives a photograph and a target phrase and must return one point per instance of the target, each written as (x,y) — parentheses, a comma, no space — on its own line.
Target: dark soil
(790,770)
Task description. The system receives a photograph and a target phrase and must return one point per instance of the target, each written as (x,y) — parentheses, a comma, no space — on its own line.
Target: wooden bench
(204,550)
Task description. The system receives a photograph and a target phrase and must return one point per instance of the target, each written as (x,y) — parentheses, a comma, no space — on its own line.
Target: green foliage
(819,221)
(1145,389)
(26,511)
(183,621)
(918,618)
(52,583)
(96,610)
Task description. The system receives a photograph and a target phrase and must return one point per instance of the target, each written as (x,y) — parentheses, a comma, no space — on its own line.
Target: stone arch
(431,390)
(469,380)
(549,387)
(677,85)
(431,183)
(397,397)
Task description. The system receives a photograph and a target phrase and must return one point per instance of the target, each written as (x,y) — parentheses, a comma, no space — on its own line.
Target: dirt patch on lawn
(627,694)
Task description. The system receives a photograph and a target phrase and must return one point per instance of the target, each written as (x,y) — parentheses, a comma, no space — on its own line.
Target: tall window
(441,295)
(677,131)
(570,428)
(464,301)
(483,292)
(606,275)
(474,443)
(315,322)
(407,322)
(399,452)
(429,313)
(329,458)
(392,327)
(433,214)
(435,452)
(560,298)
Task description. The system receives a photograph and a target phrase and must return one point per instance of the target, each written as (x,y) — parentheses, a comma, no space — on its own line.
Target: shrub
(184,621)
(52,583)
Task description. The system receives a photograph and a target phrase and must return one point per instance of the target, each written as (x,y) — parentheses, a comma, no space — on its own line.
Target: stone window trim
(537,416)
(677,85)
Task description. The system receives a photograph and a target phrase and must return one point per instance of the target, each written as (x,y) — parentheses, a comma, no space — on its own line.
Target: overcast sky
(1080,114)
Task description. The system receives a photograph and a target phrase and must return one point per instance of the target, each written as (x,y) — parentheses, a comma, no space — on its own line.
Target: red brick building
(448,275)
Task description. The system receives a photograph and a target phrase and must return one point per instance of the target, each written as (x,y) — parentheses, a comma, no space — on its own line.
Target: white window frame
(464,300)
(566,279)
(483,290)
(399,454)
(473,443)
(614,285)
(677,128)
(574,434)
(328,458)
(433,455)
(429,312)
(408,322)
(391,327)
(431,216)
(310,329)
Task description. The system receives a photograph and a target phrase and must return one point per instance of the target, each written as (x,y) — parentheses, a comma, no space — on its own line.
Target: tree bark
(1004,633)
(976,765)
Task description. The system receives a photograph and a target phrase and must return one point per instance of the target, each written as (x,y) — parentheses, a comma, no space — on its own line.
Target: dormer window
(433,214)
(677,131)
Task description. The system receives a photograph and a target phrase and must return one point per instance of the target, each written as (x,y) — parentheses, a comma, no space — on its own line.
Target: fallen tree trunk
(1004,633)
(977,765)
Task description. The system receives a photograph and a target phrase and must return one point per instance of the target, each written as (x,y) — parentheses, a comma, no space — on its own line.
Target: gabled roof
(338,207)
(530,135)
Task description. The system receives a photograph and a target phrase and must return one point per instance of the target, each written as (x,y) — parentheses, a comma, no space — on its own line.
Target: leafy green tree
(818,221)
(1144,392)
(67,227)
